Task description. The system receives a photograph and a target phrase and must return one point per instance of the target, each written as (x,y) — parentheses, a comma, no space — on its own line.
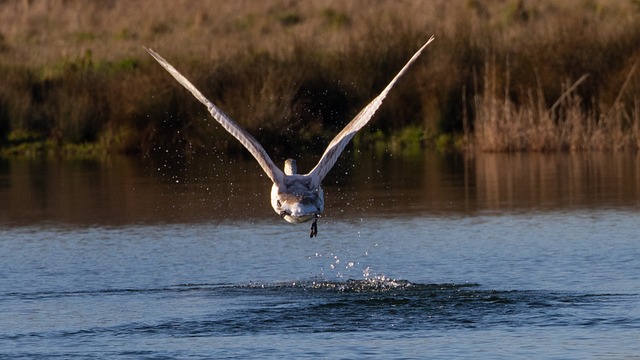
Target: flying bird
(295,197)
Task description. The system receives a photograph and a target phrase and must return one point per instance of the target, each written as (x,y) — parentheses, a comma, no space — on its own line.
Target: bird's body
(295,197)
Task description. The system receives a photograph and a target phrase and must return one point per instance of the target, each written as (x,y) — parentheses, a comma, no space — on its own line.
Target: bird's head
(296,200)
(296,208)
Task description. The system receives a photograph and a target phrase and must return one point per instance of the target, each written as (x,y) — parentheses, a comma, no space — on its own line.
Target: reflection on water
(557,180)
(546,265)
(118,190)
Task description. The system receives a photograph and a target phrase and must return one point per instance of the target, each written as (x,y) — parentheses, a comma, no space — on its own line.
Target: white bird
(295,197)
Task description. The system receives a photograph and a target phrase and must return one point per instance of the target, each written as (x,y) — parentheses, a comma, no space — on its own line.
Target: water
(493,256)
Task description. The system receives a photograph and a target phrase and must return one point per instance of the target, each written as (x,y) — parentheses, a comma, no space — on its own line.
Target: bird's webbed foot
(314,226)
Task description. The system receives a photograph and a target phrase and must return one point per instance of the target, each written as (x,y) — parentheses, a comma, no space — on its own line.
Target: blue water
(438,256)
(561,284)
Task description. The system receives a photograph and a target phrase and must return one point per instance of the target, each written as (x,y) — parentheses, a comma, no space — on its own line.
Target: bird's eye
(278,203)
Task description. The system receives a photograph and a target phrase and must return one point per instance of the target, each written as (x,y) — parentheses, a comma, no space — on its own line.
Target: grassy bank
(501,76)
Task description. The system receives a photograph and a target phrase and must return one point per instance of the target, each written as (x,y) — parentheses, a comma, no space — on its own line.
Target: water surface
(450,256)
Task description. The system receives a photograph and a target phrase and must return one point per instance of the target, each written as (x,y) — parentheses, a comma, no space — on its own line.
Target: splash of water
(378,283)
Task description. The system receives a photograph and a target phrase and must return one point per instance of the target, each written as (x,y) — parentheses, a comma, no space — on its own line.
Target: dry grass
(499,75)
(567,124)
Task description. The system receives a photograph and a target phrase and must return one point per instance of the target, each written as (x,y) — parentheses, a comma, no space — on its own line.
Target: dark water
(437,256)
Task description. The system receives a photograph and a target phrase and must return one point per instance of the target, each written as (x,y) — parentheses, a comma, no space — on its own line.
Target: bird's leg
(314,226)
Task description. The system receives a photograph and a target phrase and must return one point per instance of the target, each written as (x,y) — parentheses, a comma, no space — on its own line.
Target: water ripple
(345,306)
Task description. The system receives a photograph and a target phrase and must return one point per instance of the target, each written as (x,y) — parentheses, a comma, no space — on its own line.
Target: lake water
(430,256)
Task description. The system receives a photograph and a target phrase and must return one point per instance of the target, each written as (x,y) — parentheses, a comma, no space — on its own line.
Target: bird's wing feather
(341,140)
(249,142)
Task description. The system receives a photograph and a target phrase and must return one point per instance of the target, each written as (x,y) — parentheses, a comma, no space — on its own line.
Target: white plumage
(295,197)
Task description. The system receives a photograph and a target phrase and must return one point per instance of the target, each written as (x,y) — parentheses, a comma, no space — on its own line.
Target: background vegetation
(502,75)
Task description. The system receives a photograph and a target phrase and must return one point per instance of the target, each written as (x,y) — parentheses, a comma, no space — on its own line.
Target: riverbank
(501,76)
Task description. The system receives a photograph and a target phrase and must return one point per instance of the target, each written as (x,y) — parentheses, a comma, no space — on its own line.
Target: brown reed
(511,75)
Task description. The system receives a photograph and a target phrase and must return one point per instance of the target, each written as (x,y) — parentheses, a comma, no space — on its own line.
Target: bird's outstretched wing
(341,140)
(249,142)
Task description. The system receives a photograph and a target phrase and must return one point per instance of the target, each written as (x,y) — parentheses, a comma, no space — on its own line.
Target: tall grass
(567,124)
(502,75)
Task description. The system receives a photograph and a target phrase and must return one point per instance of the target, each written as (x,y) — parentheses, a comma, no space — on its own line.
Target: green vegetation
(501,76)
